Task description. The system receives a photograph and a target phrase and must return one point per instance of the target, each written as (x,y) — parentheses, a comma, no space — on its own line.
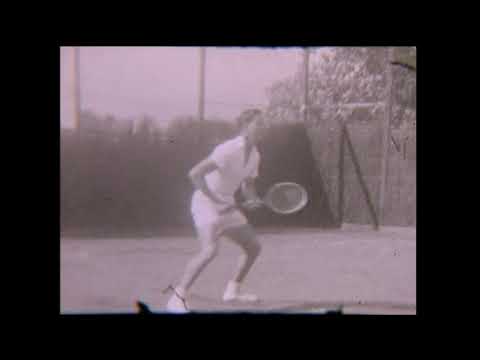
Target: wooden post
(306,59)
(76,84)
(386,138)
(201,91)
(341,176)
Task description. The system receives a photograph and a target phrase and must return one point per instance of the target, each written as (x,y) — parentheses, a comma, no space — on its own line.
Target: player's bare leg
(209,248)
(245,237)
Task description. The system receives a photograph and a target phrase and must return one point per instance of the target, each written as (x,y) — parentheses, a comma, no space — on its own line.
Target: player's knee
(209,252)
(255,248)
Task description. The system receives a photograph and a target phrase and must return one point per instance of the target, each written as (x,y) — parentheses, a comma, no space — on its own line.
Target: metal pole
(201,97)
(77,92)
(306,59)
(386,138)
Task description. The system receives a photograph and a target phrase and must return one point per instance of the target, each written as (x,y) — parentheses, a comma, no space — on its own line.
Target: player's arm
(249,192)
(248,189)
(197,176)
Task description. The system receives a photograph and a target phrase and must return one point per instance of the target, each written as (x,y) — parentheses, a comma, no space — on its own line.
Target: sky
(163,82)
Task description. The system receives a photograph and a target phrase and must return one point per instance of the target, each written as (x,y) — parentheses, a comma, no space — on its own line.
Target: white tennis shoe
(232,293)
(177,303)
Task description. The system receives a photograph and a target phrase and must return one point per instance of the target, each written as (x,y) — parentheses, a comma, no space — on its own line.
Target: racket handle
(236,206)
(261,202)
(227,209)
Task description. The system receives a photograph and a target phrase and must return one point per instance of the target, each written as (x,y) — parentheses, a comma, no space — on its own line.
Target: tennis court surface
(299,270)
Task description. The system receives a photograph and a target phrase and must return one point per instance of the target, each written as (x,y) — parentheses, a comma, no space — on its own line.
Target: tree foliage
(342,79)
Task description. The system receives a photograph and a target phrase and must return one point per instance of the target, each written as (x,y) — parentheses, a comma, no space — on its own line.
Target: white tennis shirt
(232,170)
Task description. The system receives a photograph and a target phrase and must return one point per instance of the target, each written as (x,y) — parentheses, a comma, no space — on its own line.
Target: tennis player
(232,165)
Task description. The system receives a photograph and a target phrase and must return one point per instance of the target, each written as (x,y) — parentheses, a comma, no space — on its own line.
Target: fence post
(386,138)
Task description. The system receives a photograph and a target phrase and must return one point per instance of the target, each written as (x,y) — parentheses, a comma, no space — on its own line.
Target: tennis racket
(282,198)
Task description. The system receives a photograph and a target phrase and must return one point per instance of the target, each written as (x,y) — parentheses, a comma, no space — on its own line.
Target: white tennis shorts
(205,213)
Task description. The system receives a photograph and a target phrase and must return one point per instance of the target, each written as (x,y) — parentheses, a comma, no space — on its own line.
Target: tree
(285,100)
(338,76)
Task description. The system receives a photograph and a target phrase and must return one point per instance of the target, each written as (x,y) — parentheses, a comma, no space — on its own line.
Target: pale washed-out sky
(163,82)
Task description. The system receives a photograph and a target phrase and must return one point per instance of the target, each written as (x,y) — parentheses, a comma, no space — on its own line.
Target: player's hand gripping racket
(281,198)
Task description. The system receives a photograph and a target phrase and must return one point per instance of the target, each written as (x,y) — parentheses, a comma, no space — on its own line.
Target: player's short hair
(246,117)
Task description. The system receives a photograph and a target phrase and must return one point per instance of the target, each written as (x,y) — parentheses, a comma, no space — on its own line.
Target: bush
(122,182)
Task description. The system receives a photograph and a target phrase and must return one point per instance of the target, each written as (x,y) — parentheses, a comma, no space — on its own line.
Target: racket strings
(286,198)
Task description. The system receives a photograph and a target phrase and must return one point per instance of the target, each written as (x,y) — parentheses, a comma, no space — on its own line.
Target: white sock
(234,286)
